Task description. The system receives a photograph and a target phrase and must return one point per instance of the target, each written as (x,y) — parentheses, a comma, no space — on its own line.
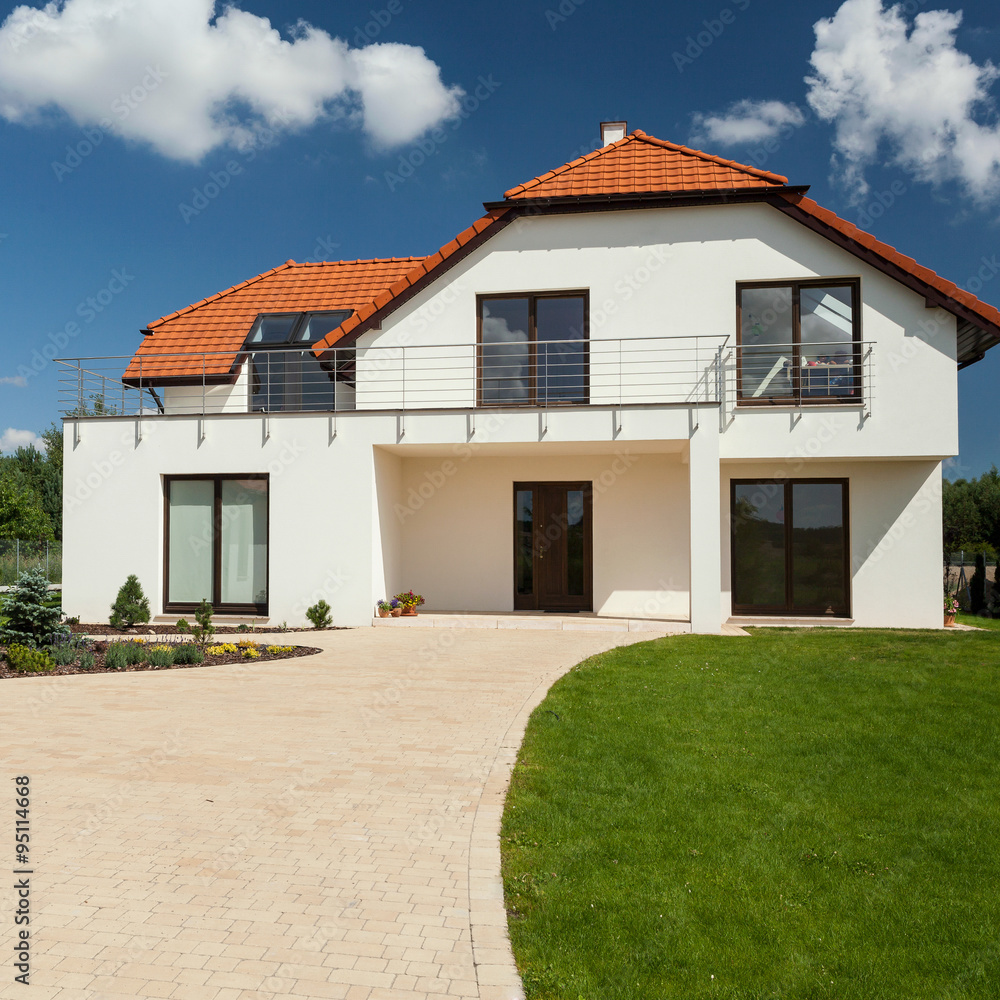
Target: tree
(962,523)
(21,511)
(131,605)
(30,621)
(41,472)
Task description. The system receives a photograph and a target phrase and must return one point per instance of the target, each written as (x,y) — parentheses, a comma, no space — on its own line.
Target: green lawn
(798,814)
(965,619)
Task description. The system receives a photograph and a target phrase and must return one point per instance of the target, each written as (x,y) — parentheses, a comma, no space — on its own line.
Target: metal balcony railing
(641,370)
(816,373)
(683,370)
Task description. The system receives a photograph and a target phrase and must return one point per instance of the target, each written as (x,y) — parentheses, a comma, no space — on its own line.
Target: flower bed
(136,654)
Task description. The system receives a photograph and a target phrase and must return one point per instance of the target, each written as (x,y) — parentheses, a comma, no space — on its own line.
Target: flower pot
(409,612)
(383,612)
(396,612)
(949,620)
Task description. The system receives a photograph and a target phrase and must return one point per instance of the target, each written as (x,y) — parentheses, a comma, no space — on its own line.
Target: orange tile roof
(637,164)
(221,322)
(641,164)
(983,311)
(435,262)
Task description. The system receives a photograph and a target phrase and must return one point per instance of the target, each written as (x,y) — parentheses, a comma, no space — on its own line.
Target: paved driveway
(322,827)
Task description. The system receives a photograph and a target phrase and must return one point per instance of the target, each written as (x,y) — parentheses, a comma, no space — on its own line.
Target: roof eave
(748,193)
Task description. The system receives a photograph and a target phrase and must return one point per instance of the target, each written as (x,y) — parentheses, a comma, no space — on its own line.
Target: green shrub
(27,660)
(30,622)
(319,615)
(204,632)
(160,656)
(131,605)
(63,654)
(115,658)
(86,660)
(135,652)
(183,625)
(188,652)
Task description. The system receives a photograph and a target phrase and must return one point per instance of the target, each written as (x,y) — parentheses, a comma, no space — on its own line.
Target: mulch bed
(144,630)
(99,649)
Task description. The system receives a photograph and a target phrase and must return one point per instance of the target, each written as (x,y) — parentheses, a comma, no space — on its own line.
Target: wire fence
(20,554)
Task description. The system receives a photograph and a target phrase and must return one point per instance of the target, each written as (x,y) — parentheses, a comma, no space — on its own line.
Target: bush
(977,586)
(86,660)
(204,632)
(188,652)
(131,605)
(115,658)
(135,653)
(63,654)
(27,660)
(319,615)
(160,656)
(29,621)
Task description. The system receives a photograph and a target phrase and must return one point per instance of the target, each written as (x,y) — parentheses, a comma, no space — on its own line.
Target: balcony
(639,371)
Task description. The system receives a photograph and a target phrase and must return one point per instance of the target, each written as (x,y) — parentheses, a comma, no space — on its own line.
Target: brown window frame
(217,605)
(786,610)
(533,298)
(797,399)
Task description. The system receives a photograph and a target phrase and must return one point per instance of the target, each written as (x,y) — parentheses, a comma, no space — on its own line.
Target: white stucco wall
(895,535)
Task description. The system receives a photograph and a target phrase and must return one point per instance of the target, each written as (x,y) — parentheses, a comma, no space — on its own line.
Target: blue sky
(128,193)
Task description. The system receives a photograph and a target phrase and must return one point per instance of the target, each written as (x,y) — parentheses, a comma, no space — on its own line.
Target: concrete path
(323,827)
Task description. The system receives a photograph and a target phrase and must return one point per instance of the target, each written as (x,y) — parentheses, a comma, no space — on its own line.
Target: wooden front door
(553,547)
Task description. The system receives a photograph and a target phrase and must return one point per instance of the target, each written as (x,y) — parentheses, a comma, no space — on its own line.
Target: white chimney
(612,132)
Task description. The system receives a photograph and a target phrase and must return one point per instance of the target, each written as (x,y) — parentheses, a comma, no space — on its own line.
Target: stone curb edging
(493,958)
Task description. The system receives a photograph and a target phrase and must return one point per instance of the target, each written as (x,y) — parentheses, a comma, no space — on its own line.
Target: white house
(651,383)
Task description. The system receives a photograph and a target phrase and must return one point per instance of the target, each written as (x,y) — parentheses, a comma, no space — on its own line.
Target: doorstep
(529,620)
(820,621)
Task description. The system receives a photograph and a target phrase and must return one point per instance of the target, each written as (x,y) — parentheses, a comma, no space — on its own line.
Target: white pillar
(706,524)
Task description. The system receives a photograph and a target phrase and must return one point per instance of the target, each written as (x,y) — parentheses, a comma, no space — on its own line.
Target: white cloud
(172,74)
(19,380)
(905,95)
(12,439)
(745,121)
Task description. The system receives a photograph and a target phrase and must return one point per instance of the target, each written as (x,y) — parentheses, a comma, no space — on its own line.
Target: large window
(799,342)
(790,547)
(533,349)
(216,542)
(284,373)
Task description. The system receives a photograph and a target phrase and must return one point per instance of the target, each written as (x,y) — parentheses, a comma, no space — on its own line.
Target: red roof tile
(221,322)
(640,164)
(426,266)
(947,289)
(637,164)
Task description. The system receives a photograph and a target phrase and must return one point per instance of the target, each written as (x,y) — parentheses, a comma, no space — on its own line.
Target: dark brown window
(216,542)
(799,342)
(790,547)
(533,349)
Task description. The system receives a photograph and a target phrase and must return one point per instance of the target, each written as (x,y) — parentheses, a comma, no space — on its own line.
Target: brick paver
(323,827)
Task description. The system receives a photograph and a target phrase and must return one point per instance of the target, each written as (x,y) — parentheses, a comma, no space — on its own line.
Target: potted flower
(409,602)
(950,610)
(384,608)
(396,608)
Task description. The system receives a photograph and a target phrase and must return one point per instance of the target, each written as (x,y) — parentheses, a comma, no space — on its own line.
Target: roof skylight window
(284,329)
